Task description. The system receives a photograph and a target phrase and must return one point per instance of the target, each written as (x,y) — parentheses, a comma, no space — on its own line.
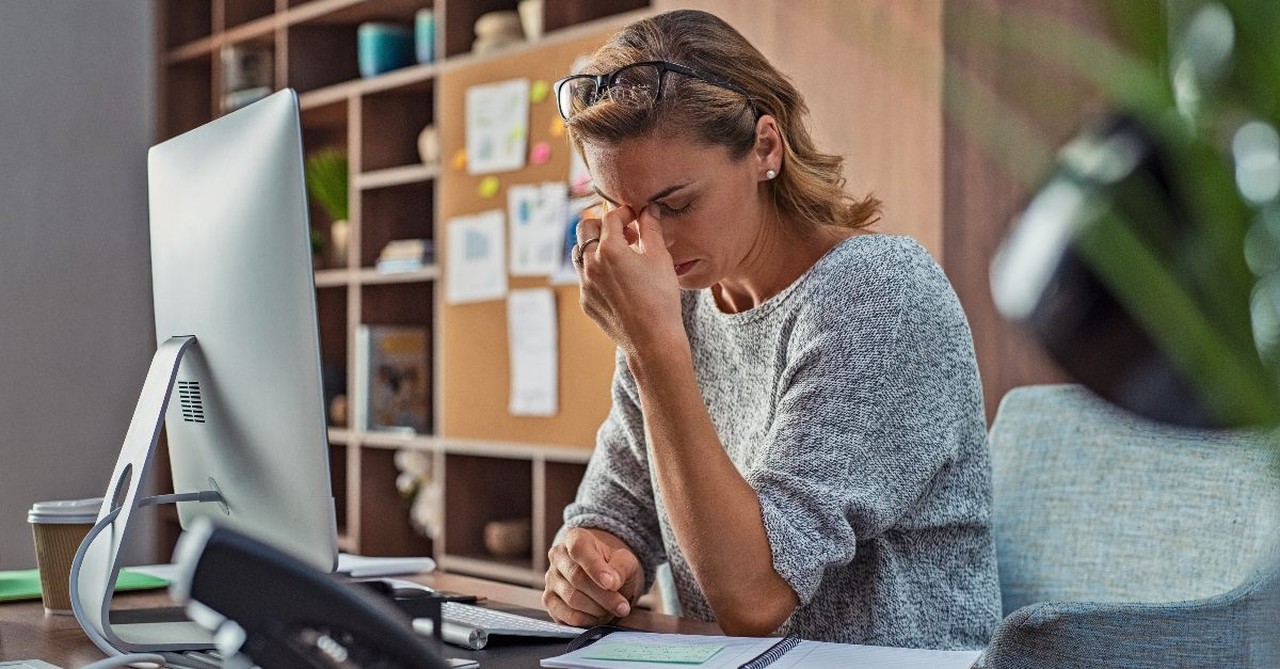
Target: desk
(27,633)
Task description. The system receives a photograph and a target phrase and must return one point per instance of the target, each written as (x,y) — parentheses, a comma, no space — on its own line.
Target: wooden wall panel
(989,177)
(871,72)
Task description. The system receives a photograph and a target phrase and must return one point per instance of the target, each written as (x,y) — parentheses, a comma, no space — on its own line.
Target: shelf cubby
(396,212)
(481,489)
(384,516)
(238,12)
(321,55)
(392,121)
(185,21)
(188,96)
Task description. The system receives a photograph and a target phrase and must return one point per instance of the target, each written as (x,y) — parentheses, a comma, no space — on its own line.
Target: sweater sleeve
(866,418)
(616,494)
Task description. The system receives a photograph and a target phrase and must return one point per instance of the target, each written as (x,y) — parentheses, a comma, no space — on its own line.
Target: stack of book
(406,255)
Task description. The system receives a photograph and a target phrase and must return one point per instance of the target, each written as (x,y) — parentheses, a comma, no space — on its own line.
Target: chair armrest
(1227,631)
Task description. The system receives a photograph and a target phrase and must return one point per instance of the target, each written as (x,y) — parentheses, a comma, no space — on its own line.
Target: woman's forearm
(714,512)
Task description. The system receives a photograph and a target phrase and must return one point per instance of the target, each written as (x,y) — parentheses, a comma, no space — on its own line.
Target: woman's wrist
(659,357)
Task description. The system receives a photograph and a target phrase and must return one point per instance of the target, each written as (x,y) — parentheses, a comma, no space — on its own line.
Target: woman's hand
(629,285)
(593,577)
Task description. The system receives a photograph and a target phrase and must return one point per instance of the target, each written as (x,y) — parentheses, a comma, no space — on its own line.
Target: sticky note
(669,653)
(459,159)
(557,126)
(540,153)
(488,187)
(538,91)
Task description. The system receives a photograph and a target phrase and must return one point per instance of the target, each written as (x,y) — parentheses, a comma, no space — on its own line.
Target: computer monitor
(238,360)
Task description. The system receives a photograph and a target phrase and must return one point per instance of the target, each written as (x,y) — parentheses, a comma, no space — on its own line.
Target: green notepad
(25,583)
(669,653)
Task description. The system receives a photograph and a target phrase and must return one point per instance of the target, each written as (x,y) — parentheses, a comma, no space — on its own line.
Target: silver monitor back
(231,265)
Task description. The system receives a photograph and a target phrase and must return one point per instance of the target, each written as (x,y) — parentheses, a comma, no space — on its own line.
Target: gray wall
(76,110)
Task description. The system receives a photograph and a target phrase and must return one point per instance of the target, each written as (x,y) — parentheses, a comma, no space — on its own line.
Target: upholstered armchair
(1124,543)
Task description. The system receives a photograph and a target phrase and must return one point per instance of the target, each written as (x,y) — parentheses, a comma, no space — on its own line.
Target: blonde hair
(809,188)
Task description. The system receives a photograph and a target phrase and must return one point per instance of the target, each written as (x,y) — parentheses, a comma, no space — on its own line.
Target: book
(405,255)
(394,378)
(604,648)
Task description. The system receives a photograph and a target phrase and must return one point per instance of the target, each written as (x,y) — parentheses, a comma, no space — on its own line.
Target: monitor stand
(98,560)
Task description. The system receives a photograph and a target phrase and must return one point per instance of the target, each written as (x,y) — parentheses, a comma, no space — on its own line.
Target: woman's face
(708,205)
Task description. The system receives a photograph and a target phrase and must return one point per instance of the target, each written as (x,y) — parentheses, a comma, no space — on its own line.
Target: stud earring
(770,174)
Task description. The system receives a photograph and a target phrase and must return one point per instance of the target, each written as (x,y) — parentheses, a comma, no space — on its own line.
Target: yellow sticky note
(538,91)
(459,161)
(557,126)
(488,187)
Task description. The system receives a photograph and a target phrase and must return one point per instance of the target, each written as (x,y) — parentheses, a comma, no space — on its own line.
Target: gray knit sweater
(850,402)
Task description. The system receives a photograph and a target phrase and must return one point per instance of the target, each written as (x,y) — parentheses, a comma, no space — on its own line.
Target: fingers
(588,552)
(581,585)
(650,230)
(613,223)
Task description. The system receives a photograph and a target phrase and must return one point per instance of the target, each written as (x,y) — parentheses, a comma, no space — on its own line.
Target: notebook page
(821,654)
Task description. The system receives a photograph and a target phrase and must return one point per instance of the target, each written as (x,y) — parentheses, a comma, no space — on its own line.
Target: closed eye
(667,210)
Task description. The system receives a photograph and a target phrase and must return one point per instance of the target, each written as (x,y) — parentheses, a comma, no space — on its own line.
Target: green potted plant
(326,175)
(1165,217)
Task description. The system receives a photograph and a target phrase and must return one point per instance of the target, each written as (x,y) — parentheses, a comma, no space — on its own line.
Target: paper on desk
(739,650)
(531,330)
(734,651)
(359,566)
(821,654)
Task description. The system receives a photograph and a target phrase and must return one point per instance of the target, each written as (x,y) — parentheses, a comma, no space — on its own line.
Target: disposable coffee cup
(58,528)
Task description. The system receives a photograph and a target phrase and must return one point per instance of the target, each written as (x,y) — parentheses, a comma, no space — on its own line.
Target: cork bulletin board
(475,360)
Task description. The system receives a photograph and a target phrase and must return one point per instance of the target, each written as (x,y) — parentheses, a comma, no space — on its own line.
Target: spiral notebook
(614,648)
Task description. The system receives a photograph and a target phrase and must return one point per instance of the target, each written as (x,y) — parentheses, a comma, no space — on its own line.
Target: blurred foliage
(326,174)
(1190,244)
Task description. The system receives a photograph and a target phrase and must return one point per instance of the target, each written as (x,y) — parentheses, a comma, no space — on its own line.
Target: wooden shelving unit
(392,196)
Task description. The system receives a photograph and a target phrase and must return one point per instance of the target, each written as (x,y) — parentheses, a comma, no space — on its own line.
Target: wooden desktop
(26,632)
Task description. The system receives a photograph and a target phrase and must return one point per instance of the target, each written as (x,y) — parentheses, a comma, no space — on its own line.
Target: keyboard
(471,626)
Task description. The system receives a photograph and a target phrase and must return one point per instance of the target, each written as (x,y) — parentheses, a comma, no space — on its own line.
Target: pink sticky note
(540,153)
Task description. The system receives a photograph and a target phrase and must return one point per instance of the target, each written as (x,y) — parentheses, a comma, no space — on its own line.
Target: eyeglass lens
(633,85)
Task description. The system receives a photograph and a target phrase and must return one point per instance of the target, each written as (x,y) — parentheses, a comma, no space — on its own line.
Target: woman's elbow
(756,617)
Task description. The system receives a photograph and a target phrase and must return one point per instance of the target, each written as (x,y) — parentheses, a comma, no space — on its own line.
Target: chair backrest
(1092,503)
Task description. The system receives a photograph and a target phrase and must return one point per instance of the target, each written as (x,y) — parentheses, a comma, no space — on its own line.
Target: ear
(768,152)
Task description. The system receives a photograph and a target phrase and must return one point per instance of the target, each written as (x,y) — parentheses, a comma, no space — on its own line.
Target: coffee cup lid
(65,511)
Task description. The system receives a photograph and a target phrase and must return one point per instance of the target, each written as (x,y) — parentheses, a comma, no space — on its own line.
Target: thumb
(627,566)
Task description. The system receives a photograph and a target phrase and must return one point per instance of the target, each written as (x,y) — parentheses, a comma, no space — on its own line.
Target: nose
(668,231)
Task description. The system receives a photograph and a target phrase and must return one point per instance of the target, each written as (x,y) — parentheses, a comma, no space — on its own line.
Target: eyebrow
(652,198)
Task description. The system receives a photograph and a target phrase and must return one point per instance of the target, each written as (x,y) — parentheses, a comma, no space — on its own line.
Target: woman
(797,423)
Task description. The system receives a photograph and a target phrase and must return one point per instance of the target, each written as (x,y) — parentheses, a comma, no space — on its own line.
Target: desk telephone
(268,609)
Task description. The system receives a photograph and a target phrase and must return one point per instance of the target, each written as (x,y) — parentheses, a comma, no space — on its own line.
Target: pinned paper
(538,91)
(475,268)
(488,187)
(459,160)
(531,333)
(579,175)
(497,126)
(537,222)
(575,211)
(540,153)
(557,127)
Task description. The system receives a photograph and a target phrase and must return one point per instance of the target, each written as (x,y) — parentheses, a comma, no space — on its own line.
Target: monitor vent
(192,405)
